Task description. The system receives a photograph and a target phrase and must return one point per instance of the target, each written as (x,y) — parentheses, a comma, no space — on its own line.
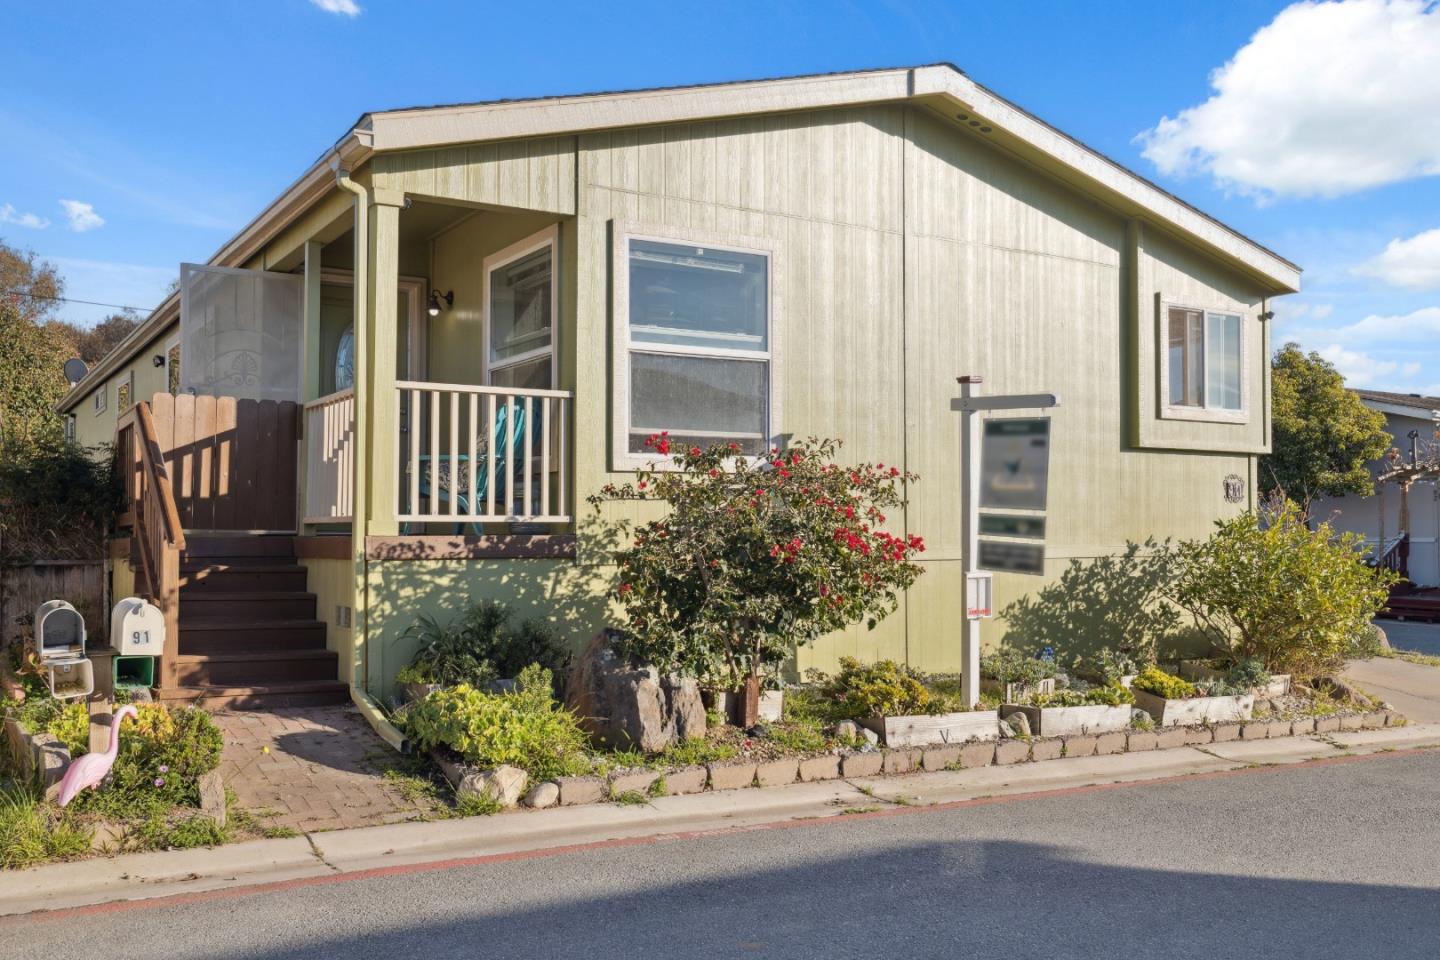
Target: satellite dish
(75,370)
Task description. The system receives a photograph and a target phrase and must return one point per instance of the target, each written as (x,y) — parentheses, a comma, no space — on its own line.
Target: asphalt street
(1338,859)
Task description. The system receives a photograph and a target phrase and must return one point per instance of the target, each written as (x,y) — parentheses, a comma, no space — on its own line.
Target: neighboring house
(1405,414)
(751,261)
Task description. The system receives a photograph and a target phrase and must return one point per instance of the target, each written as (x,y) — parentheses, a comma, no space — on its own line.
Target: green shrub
(1009,665)
(31,833)
(879,689)
(163,754)
(1248,673)
(755,554)
(1365,643)
(1269,587)
(525,727)
(1162,684)
(1109,695)
(479,645)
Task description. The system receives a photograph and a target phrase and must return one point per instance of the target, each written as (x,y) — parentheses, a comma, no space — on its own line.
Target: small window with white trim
(70,428)
(696,343)
(1204,369)
(521,297)
(100,399)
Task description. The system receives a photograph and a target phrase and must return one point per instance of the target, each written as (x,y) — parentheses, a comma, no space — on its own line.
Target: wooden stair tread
(252,595)
(236,656)
(233,623)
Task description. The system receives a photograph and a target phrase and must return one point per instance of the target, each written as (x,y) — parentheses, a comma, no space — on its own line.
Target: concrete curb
(346,852)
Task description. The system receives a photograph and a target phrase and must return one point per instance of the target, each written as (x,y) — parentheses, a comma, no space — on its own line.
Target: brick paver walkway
(323,769)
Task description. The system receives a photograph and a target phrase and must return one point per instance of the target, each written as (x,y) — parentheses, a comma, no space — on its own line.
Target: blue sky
(137,135)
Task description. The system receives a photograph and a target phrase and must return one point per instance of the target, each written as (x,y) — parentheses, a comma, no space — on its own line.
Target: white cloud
(82,216)
(1322,310)
(348,8)
(8,214)
(1412,263)
(1416,327)
(1358,369)
(1410,369)
(1328,99)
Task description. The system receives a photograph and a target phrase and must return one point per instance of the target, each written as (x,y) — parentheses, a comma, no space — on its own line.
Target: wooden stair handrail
(156,535)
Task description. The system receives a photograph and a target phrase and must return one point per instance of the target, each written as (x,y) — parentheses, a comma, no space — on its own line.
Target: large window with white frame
(696,341)
(1203,374)
(521,299)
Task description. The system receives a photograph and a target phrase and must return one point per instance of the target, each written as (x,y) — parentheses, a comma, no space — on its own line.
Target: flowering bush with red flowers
(757,555)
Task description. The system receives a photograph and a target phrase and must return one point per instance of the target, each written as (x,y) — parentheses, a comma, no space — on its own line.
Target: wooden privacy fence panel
(232,463)
(23,587)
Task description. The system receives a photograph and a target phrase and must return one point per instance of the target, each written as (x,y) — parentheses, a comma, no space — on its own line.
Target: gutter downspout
(359,523)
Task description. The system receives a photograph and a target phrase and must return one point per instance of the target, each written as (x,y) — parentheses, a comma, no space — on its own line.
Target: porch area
(394,378)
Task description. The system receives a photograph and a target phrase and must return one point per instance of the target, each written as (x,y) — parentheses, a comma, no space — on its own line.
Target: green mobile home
(406,374)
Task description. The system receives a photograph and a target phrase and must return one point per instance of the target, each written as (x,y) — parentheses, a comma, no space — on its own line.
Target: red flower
(694,451)
(625,588)
(663,445)
(642,485)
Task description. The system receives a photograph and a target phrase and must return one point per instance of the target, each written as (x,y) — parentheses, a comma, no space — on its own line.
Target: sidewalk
(1411,688)
(322,857)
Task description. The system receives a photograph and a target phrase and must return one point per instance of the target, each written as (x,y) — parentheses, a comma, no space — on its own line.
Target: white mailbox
(59,632)
(137,628)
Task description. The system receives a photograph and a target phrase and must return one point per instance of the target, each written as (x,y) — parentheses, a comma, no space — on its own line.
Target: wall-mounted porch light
(158,360)
(435,298)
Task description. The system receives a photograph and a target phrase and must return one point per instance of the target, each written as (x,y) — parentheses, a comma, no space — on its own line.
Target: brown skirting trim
(511,547)
(120,548)
(323,548)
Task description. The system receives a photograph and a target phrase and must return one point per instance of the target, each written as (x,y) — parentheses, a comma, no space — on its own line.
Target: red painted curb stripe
(204,896)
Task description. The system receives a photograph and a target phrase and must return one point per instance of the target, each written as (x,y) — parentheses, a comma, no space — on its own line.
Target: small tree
(756,557)
(1323,436)
(1277,590)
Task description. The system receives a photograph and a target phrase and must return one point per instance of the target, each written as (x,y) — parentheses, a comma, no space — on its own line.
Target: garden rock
(847,730)
(542,795)
(504,785)
(1140,716)
(870,736)
(212,797)
(1018,725)
(624,706)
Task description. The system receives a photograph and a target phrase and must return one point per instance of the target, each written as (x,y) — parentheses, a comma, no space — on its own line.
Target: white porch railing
(481,454)
(330,458)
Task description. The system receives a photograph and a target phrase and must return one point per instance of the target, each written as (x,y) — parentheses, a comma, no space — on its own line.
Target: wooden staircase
(249,638)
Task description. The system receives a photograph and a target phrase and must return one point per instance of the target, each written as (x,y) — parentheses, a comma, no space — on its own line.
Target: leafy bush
(479,645)
(756,556)
(878,689)
(163,754)
(1009,665)
(1248,673)
(56,501)
(524,728)
(1269,587)
(1365,643)
(1162,684)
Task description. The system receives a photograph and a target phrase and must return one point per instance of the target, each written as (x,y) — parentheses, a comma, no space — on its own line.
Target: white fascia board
(1102,174)
(1401,410)
(471,123)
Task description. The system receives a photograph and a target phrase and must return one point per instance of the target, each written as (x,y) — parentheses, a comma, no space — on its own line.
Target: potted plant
(1174,701)
(1012,676)
(755,556)
(1076,710)
(895,703)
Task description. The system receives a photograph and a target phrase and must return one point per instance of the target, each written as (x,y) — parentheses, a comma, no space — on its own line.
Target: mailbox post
(969,404)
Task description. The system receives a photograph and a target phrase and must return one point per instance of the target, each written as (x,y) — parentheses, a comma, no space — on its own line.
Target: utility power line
(89,303)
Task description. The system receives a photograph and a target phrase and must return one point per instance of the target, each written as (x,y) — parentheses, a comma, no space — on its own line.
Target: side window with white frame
(695,341)
(521,298)
(70,428)
(100,398)
(1203,374)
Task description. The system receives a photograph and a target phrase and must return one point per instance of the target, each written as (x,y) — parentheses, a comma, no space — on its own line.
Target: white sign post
(970,404)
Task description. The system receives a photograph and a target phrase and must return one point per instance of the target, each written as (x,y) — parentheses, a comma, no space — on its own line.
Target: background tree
(93,343)
(32,378)
(1323,436)
(32,287)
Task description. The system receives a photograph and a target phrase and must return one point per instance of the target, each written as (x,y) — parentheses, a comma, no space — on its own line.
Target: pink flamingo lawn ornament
(90,769)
